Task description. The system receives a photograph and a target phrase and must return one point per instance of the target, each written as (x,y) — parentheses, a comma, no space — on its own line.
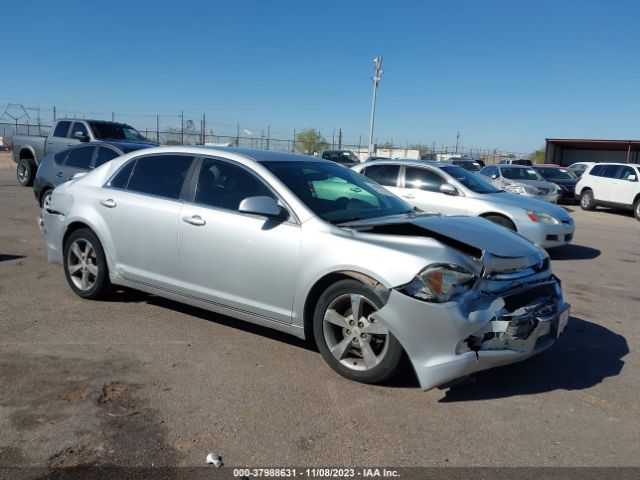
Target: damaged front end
(513,311)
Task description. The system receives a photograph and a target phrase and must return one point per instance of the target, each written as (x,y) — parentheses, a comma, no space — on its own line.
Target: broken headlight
(440,283)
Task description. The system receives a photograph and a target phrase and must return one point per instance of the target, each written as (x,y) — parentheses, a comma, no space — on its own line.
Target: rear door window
(596,170)
(610,171)
(160,175)
(423,179)
(80,157)
(386,175)
(62,128)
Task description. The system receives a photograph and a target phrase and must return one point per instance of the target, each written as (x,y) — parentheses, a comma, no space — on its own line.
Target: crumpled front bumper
(450,340)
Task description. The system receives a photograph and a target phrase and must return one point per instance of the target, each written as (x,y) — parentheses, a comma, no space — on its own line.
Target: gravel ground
(139,380)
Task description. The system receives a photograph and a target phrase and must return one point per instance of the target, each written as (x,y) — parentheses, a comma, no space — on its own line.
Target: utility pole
(268,135)
(182,127)
(340,139)
(377,75)
(113,116)
(158,129)
(457,141)
(204,127)
(293,144)
(54,114)
(238,135)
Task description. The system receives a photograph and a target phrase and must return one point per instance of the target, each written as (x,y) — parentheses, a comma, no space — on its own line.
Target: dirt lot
(144,381)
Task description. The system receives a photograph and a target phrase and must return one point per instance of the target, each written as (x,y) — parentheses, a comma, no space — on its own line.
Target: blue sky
(507,74)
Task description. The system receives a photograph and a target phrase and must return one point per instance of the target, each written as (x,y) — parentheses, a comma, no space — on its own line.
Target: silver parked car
(309,247)
(522,180)
(451,190)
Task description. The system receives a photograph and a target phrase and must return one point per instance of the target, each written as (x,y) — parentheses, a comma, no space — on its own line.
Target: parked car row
(368,277)
(447,189)
(29,150)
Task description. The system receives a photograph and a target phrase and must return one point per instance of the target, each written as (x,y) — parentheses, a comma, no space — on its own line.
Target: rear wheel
(26,172)
(503,221)
(353,343)
(85,265)
(587,202)
(636,209)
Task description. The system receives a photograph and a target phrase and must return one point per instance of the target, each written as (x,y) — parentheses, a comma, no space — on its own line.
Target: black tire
(101,285)
(392,361)
(26,172)
(587,202)
(502,221)
(43,197)
(636,209)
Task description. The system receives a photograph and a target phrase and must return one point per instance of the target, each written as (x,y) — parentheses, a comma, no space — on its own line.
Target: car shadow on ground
(135,296)
(5,257)
(573,252)
(584,356)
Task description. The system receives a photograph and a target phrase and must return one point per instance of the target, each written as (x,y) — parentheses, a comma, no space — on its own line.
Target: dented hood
(471,234)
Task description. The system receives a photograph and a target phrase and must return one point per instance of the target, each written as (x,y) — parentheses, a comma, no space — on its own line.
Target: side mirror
(448,189)
(494,176)
(632,178)
(265,206)
(80,136)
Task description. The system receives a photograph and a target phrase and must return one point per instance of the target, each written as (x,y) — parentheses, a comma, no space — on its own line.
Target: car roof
(406,162)
(253,154)
(511,165)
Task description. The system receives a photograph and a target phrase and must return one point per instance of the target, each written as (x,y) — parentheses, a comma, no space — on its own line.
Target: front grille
(525,297)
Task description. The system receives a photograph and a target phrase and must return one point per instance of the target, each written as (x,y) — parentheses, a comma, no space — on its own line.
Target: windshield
(519,173)
(556,173)
(114,131)
(335,193)
(470,180)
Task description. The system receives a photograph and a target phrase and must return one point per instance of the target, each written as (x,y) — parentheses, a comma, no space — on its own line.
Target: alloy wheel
(353,337)
(82,264)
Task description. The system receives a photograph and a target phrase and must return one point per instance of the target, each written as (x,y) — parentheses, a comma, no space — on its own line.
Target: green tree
(385,145)
(419,146)
(310,141)
(537,156)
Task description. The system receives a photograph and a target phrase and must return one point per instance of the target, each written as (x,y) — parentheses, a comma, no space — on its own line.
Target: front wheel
(353,343)
(587,202)
(502,221)
(85,265)
(26,172)
(636,209)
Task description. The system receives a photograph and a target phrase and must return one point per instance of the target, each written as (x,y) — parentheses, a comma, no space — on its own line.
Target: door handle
(408,195)
(59,174)
(109,203)
(69,144)
(196,220)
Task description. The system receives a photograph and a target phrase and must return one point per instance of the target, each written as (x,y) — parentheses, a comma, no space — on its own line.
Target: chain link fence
(171,129)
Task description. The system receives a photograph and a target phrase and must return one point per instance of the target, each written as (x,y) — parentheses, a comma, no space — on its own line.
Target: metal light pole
(377,75)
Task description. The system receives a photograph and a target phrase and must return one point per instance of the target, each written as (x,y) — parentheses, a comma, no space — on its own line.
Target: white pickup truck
(29,150)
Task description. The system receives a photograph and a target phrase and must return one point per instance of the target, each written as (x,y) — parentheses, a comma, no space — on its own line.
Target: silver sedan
(450,190)
(311,248)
